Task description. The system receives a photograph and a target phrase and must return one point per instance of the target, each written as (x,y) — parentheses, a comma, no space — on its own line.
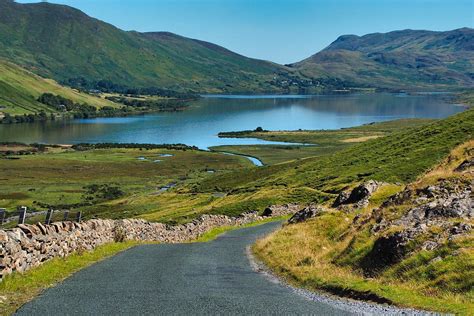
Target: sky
(282,31)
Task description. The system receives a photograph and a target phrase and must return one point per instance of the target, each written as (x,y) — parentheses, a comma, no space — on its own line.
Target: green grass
(398,157)
(237,186)
(274,154)
(219,231)
(331,251)
(326,141)
(46,37)
(401,156)
(59,177)
(20,89)
(396,60)
(17,289)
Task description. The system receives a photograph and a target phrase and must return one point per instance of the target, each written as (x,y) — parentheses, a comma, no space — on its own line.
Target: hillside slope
(20,89)
(399,59)
(409,246)
(63,43)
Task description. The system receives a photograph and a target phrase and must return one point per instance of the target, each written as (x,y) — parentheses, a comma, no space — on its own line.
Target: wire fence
(23,216)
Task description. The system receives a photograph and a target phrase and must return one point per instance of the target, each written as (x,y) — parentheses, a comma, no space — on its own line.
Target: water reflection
(200,124)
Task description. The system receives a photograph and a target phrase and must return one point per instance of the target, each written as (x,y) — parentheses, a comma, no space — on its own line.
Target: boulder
(359,195)
(387,250)
(305,214)
(341,199)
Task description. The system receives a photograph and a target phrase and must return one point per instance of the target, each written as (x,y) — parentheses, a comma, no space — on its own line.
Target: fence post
(49,216)
(22,215)
(66,215)
(78,217)
(2,215)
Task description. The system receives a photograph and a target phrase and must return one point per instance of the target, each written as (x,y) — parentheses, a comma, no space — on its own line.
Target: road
(177,279)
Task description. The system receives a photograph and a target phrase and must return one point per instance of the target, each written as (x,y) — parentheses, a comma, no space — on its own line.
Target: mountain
(399,59)
(63,43)
(20,89)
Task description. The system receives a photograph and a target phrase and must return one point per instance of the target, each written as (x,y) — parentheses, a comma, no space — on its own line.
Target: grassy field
(120,182)
(330,248)
(20,89)
(398,157)
(273,154)
(62,178)
(326,141)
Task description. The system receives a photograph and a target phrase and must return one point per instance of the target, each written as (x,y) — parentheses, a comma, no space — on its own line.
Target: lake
(199,124)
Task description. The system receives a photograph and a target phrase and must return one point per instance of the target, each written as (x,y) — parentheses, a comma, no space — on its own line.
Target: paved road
(186,279)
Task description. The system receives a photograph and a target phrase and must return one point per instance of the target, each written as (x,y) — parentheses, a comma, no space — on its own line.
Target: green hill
(63,43)
(401,59)
(399,157)
(20,89)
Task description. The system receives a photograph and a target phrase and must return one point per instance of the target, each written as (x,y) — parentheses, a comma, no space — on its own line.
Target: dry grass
(360,139)
(323,254)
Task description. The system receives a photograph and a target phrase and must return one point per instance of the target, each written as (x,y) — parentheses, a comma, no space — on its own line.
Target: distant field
(326,142)
(60,178)
(214,183)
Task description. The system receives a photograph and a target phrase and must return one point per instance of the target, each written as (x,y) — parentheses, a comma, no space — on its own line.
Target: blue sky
(282,31)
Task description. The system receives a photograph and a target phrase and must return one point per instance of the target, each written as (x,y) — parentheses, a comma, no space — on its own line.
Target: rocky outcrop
(433,204)
(359,196)
(28,246)
(449,205)
(387,250)
(305,214)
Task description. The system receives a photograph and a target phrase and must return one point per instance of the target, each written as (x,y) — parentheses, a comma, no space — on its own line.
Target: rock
(341,199)
(359,195)
(387,250)
(280,210)
(430,245)
(466,164)
(305,214)
(437,259)
(460,228)
(267,212)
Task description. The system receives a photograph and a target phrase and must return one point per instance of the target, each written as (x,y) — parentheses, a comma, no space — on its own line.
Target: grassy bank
(20,89)
(327,253)
(17,289)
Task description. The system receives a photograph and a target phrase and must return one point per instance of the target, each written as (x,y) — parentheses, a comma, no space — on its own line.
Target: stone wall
(28,246)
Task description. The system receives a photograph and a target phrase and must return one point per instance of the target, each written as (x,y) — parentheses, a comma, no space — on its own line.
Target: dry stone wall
(28,246)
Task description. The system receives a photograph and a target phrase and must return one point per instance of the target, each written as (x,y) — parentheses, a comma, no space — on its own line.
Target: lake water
(199,124)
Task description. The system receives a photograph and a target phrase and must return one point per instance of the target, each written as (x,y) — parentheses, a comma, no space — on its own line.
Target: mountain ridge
(63,43)
(403,58)
(67,45)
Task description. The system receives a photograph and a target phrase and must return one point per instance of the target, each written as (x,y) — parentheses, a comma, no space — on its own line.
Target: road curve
(184,279)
